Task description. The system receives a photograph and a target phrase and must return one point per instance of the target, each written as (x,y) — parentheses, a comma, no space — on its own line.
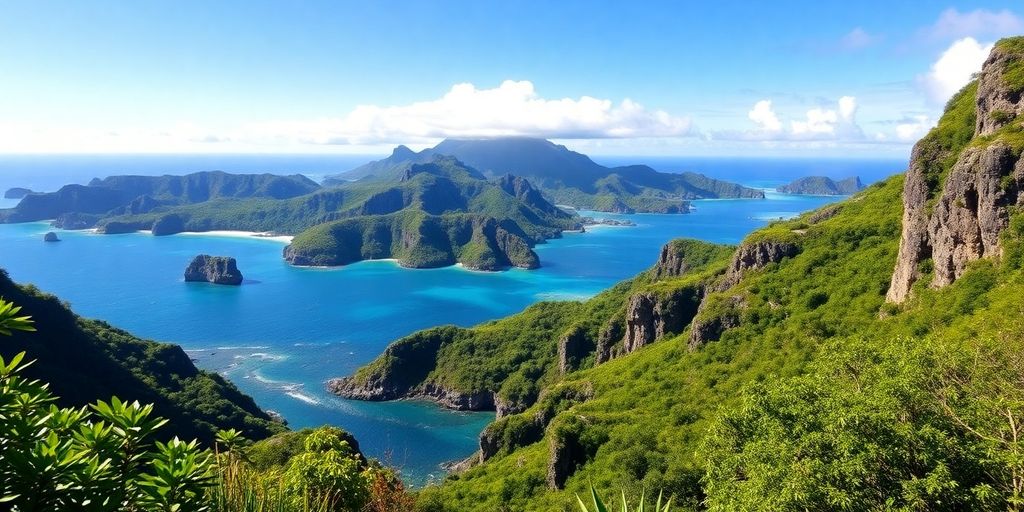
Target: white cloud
(953,24)
(821,124)
(913,128)
(511,109)
(765,118)
(857,39)
(954,68)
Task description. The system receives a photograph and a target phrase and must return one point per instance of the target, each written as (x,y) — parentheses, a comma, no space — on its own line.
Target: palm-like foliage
(641,506)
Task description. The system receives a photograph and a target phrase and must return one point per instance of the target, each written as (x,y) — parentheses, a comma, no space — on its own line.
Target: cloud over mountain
(514,108)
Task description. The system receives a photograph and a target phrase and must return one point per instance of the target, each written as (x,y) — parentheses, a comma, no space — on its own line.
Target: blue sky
(662,78)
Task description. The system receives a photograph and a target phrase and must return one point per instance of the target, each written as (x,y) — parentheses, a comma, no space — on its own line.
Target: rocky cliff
(964,179)
(213,269)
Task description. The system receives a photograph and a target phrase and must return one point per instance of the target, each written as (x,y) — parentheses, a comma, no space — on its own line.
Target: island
(51,237)
(564,176)
(16,193)
(425,210)
(823,186)
(213,269)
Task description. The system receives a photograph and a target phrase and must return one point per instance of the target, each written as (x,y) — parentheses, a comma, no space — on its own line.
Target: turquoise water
(287,330)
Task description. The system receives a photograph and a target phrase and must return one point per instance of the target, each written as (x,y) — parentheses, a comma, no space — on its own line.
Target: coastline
(287,239)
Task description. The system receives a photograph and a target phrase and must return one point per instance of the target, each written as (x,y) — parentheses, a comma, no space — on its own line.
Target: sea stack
(213,269)
(51,237)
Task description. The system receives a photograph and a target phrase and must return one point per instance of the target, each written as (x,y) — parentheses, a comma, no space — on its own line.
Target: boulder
(213,269)
(51,237)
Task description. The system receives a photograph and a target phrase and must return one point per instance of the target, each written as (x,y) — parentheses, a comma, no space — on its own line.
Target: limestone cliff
(963,180)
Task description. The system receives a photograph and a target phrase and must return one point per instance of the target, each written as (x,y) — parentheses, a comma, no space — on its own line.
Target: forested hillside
(781,377)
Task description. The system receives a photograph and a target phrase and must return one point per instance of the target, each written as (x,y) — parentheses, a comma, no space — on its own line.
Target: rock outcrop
(754,256)
(566,453)
(51,237)
(611,333)
(213,269)
(573,347)
(997,102)
(960,219)
(377,391)
(708,327)
(650,316)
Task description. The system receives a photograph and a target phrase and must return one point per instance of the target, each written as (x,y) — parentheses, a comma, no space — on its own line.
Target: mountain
(823,186)
(88,360)
(428,214)
(117,195)
(436,214)
(864,356)
(565,176)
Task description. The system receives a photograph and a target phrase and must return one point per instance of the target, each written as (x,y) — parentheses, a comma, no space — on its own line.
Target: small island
(213,269)
(823,186)
(16,193)
(51,237)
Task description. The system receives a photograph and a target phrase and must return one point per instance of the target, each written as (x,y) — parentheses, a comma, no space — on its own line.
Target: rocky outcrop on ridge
(959,219)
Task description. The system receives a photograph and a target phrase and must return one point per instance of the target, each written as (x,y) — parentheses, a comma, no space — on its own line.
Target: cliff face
(213,269)
(957,196)
(755,256)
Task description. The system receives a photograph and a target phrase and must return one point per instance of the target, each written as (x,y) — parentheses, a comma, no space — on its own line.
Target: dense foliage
(85,360)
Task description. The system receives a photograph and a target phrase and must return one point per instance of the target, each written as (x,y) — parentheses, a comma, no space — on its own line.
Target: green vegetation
(940,148)
(1013,75)
(106,456)
(128,195)
(516,357)
(823,186)
(84,360)
(566,177)
(641,506)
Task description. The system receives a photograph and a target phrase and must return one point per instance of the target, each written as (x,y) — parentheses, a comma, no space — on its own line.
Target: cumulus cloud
(821,124)
(953,24)
(954,68)
(912,128)
(512,109)
(765,118)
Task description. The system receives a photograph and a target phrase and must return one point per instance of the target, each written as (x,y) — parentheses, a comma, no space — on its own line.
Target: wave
(232,347)
(303,397)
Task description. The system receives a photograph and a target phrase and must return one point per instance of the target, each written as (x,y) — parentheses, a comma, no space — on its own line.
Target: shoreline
(287,239)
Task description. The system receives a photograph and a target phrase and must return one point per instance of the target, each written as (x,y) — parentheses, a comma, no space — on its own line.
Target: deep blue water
(287,330)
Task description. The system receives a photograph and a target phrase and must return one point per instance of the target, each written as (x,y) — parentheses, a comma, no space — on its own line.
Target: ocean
(287,330)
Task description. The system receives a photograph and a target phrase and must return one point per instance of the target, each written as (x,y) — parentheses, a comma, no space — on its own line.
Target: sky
(675,78)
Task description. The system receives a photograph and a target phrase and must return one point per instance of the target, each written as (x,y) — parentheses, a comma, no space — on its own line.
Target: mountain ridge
(565,176)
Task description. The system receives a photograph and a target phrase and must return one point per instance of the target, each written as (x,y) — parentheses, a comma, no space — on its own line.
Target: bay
(287,330)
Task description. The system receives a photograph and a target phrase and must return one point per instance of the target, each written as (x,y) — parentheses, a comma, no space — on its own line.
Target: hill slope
(88,360)
(780,377)
(567,177)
